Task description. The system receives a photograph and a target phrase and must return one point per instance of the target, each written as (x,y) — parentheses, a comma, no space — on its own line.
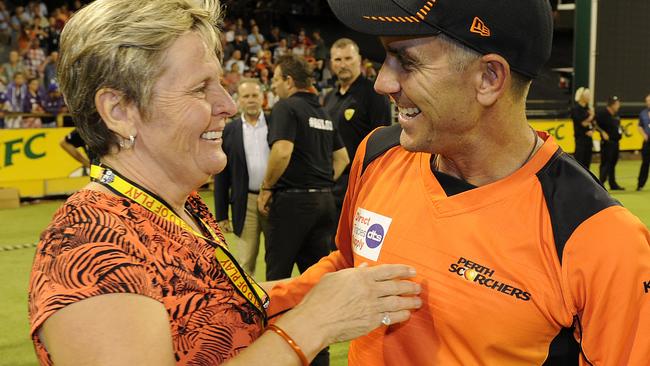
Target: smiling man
(512,239)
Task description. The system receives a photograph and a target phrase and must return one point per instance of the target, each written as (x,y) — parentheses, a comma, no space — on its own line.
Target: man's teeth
(409,112)
(211,135)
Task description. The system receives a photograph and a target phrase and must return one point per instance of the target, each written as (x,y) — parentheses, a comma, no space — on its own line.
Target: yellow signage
(31,157)
(562,132)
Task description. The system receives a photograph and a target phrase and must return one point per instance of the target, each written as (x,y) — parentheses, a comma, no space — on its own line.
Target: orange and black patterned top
(113,245)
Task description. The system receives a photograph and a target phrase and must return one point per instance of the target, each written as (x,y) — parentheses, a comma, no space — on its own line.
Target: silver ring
(385,320)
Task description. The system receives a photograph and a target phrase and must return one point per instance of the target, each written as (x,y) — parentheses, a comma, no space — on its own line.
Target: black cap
(519,30)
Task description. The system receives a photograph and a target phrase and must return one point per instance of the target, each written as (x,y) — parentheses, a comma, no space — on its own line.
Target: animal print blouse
(99,244)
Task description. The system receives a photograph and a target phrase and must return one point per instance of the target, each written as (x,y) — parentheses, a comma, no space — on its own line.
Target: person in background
(644,129)
(53,104)
(71,144)
(513,239)
(133,268)
(33,104)
(354,105)
(236,188)
(13,66)
(583,125)
(16,96)
(609,122)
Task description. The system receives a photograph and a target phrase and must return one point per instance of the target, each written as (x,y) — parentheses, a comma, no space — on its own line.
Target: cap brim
(380,18)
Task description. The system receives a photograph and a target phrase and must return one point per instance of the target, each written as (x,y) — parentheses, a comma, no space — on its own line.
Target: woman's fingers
(394,317)
(398,303)
(385,272)
(397,287)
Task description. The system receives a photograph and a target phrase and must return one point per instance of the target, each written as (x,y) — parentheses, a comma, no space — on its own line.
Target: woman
(133,269)
(583,126)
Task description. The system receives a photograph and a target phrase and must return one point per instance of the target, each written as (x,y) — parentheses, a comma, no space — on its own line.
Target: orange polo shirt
(495,289)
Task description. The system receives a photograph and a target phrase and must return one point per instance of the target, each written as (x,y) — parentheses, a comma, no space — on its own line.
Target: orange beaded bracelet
(292,343)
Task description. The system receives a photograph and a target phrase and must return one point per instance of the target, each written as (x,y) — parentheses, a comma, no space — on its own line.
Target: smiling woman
(133,269)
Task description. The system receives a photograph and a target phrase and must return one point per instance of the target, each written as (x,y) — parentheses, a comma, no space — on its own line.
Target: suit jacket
(231,185)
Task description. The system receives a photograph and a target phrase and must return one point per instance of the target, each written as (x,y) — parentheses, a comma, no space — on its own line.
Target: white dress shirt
(256,148)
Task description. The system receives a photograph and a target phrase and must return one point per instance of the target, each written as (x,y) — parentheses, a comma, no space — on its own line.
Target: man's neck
(344,87)
(486,156)
(611,111)
(252,119)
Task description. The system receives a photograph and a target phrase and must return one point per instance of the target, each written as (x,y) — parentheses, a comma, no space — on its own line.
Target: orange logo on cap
(479,27)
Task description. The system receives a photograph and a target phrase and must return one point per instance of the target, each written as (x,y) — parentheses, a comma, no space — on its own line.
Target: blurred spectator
(52,34)
(34,60)
(54,104)
(5,30)
(226,47)
(281,50)
(13,66)
(33,104)
(241,45)
(16,95)
(240,30)
(583,125)
(71,143)
(230,32)
(320,49)
(236,58)
(274,38)
(231,78)
(49,71)
(255,40)
(644,129)
(3,108)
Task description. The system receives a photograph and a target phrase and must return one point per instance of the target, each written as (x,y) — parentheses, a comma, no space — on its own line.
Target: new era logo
(479,27)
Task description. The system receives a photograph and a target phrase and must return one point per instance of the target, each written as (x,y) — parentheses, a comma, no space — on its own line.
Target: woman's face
(187,114)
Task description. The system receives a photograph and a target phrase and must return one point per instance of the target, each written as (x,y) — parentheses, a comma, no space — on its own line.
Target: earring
(127,144)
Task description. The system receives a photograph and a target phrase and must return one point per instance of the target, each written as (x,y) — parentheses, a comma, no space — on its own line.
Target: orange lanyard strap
(242,282)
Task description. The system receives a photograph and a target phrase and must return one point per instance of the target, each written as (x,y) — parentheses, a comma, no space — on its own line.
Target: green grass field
(23,225)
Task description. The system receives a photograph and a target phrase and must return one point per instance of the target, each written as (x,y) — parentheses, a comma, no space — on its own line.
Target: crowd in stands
(29,42)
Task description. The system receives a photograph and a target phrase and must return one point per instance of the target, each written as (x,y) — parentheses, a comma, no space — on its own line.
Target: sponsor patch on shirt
(321,124)
(368,233)
(348,113)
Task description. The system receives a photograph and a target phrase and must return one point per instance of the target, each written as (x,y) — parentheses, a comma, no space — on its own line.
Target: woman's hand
(352,302)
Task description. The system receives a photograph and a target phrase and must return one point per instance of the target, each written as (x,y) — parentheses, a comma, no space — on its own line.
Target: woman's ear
(495,71)
(116,112)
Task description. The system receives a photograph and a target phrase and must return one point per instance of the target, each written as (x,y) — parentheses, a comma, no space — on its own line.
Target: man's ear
(118,114)
(493,84)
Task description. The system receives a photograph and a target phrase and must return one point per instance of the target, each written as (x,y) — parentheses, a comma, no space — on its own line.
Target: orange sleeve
(606,275)
(288,294)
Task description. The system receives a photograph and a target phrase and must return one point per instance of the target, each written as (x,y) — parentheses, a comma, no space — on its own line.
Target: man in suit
(245,144)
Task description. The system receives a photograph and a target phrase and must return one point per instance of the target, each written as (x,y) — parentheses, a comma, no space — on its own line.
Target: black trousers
(582,154)
(300,230)
(645,164)
(608,159)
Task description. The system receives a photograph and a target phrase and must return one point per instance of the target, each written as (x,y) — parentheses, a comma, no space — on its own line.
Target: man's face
(13,56)
(647,101)
(616,106)
(250,99)
(346,63)
(435,101)
(279,83)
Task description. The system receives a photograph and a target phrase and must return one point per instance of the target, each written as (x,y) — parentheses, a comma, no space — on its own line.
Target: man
(610,123)
(644,129)
(307,156)
(512,239)
(353,103)
(245,145)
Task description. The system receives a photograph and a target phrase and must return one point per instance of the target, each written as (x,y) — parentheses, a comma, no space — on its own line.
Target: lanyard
(242,282)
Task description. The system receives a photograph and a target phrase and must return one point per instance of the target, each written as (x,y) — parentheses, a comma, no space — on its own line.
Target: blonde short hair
(580,92)
(120,44)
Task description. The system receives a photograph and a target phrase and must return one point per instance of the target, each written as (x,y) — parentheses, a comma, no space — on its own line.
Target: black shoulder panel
(572,196)
(379,142)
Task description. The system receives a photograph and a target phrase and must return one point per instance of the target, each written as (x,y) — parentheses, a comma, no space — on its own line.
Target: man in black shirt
(307,155)
(353,103)
(583,117)
(610,123)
